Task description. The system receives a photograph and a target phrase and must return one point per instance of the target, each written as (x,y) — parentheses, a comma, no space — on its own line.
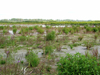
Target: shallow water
(20,54)
(39,25)
(11,32)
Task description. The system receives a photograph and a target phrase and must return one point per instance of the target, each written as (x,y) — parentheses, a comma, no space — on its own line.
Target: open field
(36,50)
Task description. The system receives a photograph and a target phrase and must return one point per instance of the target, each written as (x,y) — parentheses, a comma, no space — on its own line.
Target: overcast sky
(50,9)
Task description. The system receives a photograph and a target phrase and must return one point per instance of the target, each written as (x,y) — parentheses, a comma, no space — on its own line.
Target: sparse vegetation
(35,50)
(48,49)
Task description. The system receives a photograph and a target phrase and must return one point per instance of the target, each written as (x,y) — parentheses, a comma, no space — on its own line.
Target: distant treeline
(55,23)
(49,22)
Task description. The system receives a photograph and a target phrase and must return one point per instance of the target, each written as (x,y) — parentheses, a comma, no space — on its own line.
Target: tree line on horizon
(49,21)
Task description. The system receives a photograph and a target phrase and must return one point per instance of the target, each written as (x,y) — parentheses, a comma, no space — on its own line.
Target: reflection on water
(11,32)
(35,25)
(40,25)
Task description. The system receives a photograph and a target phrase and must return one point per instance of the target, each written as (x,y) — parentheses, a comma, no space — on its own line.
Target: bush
(78,64)
(50,36)
(2,61)
(33,59)
(99,28)
(89,44)
(94,29)
(14,30)
(80,38)
(76,44)
(1,27)
(65,30)
(30,28)
(48,49)
(26,30)
(88,29)
(4,31)
(71,46)
(47,26)
(36,27)
(13,26)
(85,26)
(40,30)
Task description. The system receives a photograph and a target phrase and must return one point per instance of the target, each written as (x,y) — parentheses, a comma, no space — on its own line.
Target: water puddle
(40,25)
(20,54)
(11,32)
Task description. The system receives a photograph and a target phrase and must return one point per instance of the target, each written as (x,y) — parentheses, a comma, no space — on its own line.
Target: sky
(50,9)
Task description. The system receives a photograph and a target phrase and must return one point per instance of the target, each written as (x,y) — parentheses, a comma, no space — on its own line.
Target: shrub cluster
(4,31)
(48,27)
(94,29)
(1,27)
(33,59)
(78,64)
(31,28)
(36,27)
(50,36)
(88,29)
(40,30)
(80,38)
(65,30)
